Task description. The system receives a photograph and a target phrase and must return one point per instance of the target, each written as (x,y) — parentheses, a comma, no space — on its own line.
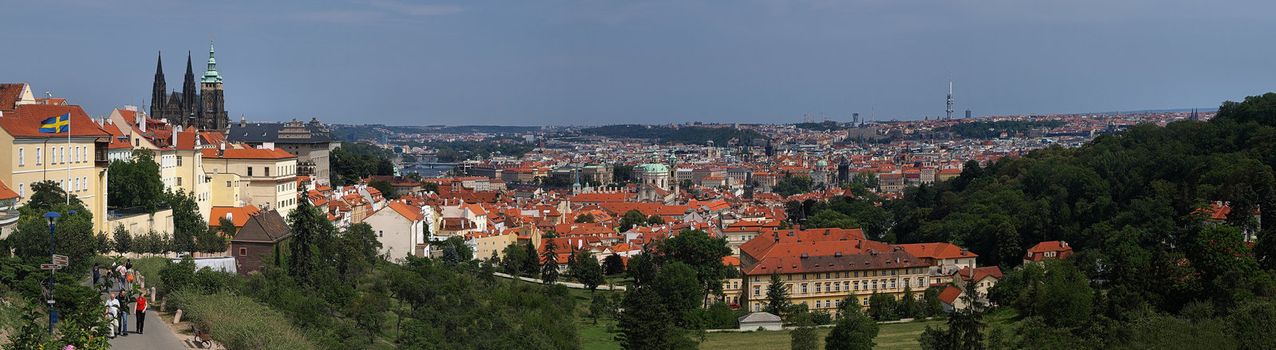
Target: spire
(189,71)
(211,75)
(159,64)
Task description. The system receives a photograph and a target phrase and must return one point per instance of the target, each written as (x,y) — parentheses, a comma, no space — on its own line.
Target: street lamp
(53,219)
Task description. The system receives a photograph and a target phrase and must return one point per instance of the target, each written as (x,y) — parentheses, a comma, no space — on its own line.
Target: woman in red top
(141,313)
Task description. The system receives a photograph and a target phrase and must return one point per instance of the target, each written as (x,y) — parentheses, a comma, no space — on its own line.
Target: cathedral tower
(190,98)
(213,112)
(158,89)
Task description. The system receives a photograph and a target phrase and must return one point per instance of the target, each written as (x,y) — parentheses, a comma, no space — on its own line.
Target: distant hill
(690,135)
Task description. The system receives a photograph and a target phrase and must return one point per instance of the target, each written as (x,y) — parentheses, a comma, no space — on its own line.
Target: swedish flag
(56,124)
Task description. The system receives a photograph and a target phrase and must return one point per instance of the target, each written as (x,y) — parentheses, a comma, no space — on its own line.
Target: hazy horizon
(398,62)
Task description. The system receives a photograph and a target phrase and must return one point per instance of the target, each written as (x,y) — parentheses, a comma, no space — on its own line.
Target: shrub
(251,325)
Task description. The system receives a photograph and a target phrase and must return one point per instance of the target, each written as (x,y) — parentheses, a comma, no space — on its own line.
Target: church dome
(653,168)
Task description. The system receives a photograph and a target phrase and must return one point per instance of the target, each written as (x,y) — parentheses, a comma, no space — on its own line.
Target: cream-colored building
(177,150)
(400,228)
(488,245)
(267,177)
(78,163)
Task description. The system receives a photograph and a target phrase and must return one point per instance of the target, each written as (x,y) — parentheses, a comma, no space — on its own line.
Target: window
(39,156)
(22,190)
(857,285)
(84,154)
(179,181)
(267,169)
(22,157)
(857,273)
(757,290)
(179,160)
(250,171)
(817,288)
(804,288)
(243,251)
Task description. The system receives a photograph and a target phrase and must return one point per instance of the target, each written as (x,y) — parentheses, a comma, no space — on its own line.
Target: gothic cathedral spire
(158,89)
(190,97)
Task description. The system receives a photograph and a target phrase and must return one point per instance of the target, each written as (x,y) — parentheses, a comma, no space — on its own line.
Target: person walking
(112,313)
(141,312)
(124,309)
(97,275)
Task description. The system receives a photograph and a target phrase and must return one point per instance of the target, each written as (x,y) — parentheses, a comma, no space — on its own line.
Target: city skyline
(590,63)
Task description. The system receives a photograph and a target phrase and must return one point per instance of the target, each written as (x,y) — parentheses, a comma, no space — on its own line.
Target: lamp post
(53,241)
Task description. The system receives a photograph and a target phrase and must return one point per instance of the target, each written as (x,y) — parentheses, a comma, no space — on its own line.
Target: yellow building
(821,270)
(177,150)
(267,177)
(78,163)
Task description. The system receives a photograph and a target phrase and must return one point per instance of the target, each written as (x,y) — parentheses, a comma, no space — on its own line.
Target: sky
(592,62)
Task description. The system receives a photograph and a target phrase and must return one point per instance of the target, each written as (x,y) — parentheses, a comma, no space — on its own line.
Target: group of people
(125,286)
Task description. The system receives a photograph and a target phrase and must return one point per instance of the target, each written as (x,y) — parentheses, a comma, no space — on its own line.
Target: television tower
(949,111)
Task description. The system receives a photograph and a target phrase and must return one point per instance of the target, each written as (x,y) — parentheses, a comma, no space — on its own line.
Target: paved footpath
(162,336)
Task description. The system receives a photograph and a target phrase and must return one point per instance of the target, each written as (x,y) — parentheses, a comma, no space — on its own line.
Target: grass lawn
(592,336)
(891,336)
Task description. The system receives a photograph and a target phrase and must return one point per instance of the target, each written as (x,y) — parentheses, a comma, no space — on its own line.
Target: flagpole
(68,167)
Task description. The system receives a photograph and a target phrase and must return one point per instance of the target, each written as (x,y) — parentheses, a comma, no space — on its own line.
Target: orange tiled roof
(248,153)
(937,250)
(6,193)
(407,211)
(239,215)
(25,121)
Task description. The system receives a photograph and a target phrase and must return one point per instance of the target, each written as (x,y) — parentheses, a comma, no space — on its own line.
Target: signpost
(60,260)
(50,267)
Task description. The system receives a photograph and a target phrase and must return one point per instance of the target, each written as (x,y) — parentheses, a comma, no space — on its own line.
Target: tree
(908,307)
(136,183)
(631,219)
(853,331)
(46,195)
(587,270)
(532,265)
(644,324)
(599,306)
(585,218)
(613,264)
(123,240)
(187,220)
(549,268)
(357,251)
(368,312)
(702,253)
(455,251)
(883,307)
(965,326)
(310,246)
(777,296)
(654,220)
(803,337)
(677,285)
(73,232)
(831,218)
(384,186)
(513,258)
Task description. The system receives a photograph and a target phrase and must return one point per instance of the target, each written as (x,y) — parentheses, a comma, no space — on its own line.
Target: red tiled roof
(26,120)
(1037,252)
(949,294)
(239,215)
(9,95)
(248,153)
(937,250)
(407,211)
(6,193)
(979,273)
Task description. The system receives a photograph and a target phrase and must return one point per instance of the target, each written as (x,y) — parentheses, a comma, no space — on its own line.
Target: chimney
(242,122)
(175,135)
(141,122)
